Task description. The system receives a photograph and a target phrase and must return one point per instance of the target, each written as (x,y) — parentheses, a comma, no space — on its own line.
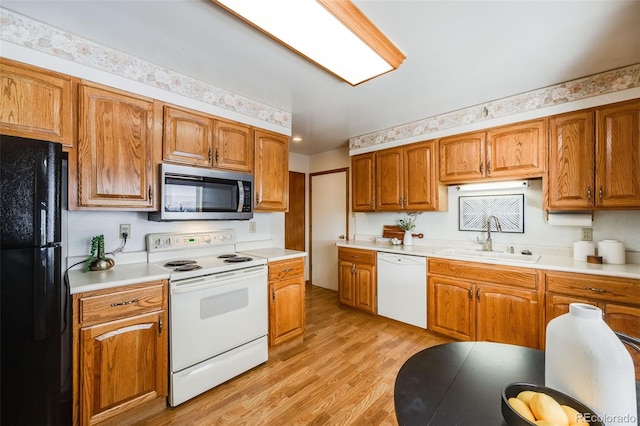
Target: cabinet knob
(601,194)
(481,168)
(342,237)
(589,193)
(488,167)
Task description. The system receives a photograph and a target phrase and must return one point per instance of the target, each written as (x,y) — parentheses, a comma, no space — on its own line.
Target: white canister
(408,238)
(582,249)
(612,251)
(586,360)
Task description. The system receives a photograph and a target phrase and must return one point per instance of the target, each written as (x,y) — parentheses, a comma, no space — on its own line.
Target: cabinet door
(462,158)
(363,182)
(571,161)
(346,282)
(187,137)
(618,155)
(420,182)
(517,151)
(508,315)
(557,305)
(233,147)
(122,363)
(115,149)
(36,103)
(389,174)
(451,307)
(271,171)
(625,319)
(286,309)
(365,288)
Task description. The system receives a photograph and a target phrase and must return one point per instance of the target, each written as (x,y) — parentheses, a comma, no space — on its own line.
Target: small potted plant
(97,260)
(407,224)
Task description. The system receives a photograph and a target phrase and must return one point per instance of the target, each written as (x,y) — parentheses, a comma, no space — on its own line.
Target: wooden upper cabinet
(420,180)
(406,178)
(462,157)
(233,146)
(517,150)
(514,151)
(389,175)
(571,161)
(187,137)
(271,175)
(115,149)
(36,103)
(363,182)
(618,155)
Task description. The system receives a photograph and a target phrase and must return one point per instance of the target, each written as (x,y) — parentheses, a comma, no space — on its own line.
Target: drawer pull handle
(128,302)
(287,270)
(597,290)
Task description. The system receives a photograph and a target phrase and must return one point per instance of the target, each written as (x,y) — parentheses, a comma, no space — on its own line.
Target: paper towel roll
(582,249)
(570,219)
(612,251)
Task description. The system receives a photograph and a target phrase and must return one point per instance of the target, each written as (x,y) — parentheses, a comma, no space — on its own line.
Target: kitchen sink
(497,255)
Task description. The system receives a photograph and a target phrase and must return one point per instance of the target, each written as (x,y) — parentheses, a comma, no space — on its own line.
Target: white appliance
(218,315)
(402,288)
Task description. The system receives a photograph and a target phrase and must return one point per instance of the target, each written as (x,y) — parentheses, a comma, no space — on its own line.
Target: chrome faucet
(487,245)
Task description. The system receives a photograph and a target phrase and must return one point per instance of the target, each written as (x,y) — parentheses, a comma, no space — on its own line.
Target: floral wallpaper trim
(32,34)
(594,85)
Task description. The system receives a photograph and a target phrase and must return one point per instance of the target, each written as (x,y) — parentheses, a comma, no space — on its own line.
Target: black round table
(461,383)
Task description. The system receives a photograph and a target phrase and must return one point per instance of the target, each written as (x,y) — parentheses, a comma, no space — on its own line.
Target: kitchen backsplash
(617,225)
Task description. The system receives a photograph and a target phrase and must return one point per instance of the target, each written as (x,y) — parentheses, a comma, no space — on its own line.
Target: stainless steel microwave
(194,193)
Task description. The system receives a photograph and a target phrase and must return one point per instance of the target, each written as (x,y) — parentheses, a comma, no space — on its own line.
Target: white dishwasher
(402,288)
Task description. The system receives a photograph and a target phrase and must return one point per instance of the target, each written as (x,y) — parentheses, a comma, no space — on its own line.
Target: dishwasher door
(402,288)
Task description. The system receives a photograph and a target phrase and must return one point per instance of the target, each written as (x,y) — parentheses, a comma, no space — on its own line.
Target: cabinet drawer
(282,269)
(500,274)
(121,303)
(357,256)
(594,286)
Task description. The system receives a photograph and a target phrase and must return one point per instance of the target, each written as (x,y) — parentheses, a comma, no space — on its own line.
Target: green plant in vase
(97,260)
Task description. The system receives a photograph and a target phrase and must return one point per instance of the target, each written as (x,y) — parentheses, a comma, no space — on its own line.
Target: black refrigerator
(35,321)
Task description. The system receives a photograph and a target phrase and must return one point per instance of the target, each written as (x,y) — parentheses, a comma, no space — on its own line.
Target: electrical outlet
(125,229)
(586,234)
(252,227)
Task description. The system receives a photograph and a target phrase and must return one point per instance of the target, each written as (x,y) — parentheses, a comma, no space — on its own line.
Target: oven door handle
(218,280)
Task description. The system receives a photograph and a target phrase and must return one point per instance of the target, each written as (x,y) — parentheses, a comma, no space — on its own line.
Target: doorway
(329,222)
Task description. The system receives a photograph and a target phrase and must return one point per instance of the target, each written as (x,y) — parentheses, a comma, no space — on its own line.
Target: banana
(545,407)
(521,408)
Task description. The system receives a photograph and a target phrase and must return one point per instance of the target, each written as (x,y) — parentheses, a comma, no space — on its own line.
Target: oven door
(216,313)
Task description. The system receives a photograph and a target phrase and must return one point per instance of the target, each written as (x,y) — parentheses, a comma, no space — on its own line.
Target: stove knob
(229,236)
(222,237)
(159,243)
(207,239)
(168,242)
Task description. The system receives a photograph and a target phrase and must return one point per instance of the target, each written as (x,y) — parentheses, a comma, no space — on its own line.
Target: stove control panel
(178,241)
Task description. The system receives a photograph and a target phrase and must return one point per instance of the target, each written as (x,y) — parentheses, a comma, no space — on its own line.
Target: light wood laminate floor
(342,372)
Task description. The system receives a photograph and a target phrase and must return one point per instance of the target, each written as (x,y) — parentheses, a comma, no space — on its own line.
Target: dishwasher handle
(399,259)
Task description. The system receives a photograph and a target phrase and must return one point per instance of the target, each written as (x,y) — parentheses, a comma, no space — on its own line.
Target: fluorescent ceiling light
(333,34)
(507,184)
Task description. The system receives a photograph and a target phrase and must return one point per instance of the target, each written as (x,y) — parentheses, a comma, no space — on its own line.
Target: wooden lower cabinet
(357,278)
(473,301)
(121,351)
(286,300)
(619,299)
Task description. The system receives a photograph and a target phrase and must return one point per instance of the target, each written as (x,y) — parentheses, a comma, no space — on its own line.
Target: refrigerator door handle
(40,302)
(43,223)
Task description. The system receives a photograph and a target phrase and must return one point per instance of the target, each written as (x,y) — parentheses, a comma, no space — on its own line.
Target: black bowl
(514,419)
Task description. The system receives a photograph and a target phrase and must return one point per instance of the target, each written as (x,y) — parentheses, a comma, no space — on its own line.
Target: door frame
(346,212)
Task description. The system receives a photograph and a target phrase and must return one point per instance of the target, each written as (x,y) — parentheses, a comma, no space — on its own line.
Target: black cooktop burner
(175,263)
(227,256)
(187,267)
(238,259)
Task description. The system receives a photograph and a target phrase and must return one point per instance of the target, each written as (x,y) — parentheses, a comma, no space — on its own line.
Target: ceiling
(459,54)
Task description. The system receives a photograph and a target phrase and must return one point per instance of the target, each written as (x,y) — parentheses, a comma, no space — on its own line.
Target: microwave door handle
(240,196)
(183,177)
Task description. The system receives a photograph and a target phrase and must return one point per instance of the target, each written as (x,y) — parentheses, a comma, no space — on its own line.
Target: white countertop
(552,263)
(119,275)
(273,254)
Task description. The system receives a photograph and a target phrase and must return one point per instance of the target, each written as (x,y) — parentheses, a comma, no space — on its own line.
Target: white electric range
(217,309)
